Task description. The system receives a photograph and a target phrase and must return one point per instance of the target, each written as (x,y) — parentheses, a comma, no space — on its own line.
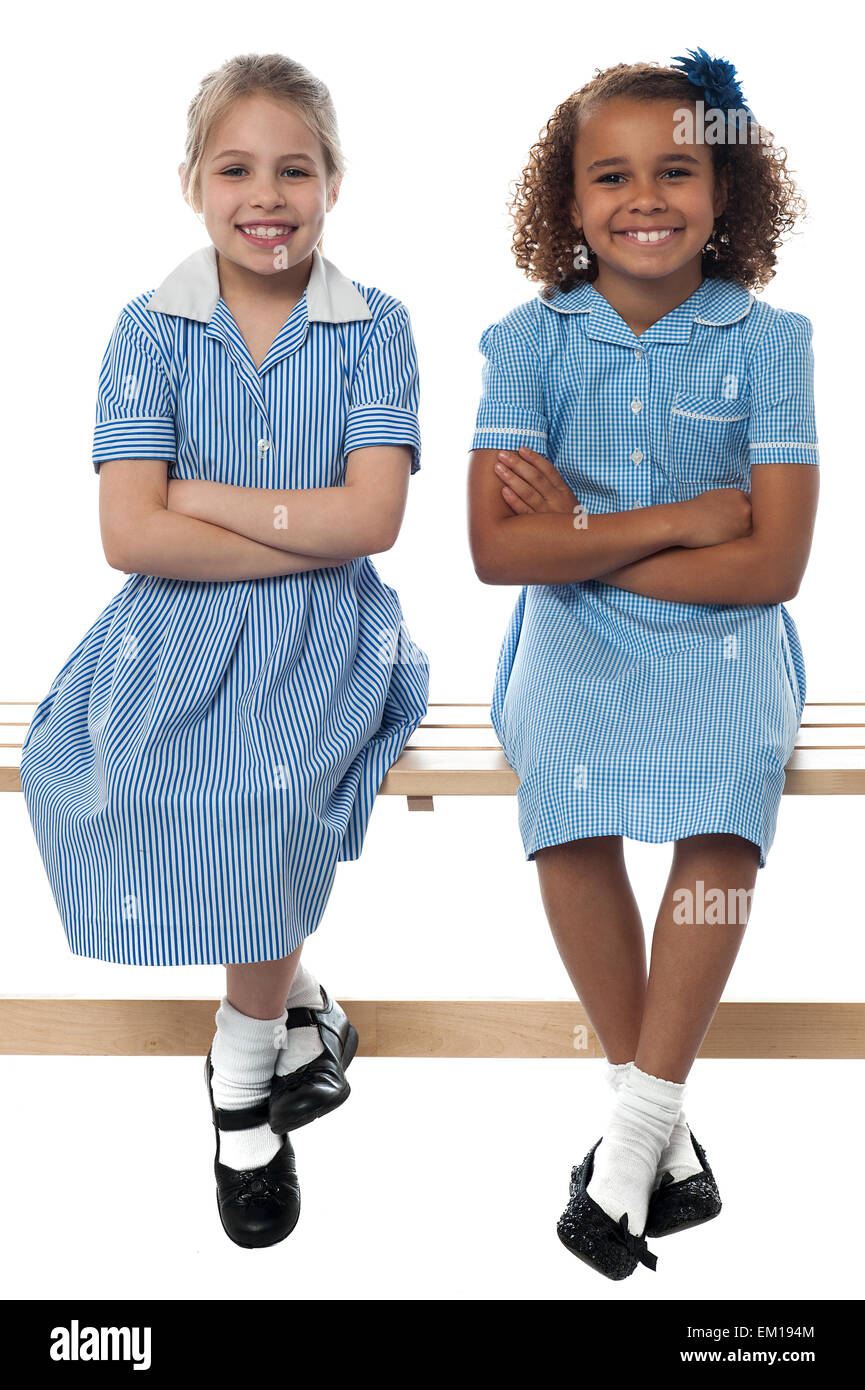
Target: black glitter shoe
(257,1206)
(593,1236)
(674,1206)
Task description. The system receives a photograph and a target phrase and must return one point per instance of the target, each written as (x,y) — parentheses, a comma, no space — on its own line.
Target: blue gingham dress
(623,714)
(211,749)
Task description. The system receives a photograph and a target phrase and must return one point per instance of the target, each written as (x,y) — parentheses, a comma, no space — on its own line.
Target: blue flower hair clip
(715,77)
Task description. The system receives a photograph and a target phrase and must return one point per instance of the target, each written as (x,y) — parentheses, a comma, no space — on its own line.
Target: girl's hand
(532,484)
(717,516)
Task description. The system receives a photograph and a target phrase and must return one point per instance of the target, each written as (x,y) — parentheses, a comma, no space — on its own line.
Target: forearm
(735,572)
(173,546)
(547,548)
(343,522)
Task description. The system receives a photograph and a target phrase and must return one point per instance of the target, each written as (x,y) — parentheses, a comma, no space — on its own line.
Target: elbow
(121,555)
(126,541)
(114,553)
(788,591)
(781,588)
(776,593)
(775,578)
(379,541)
(486,569)
(383,530)
(123,563)
(486,551)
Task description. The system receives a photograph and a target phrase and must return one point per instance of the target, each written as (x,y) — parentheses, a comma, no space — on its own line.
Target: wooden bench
(455,752)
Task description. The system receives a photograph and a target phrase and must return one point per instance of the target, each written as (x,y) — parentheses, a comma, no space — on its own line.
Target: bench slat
(142,1027)
(455,752)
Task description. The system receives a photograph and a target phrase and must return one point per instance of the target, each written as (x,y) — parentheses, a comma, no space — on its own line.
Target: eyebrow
(245,154)
(623,159)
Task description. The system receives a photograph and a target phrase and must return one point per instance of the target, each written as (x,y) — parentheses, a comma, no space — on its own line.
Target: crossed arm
(361,517)
(198,529)
(639,550)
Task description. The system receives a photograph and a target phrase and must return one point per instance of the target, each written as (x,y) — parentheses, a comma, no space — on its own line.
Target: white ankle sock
(678,1157)
(626,1160)
(243,1054)
(616,1072)
(300,1044)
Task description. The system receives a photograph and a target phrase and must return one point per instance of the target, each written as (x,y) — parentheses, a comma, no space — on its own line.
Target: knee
(718,840)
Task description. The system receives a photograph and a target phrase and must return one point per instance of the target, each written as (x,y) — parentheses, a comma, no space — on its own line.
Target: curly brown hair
(762,200)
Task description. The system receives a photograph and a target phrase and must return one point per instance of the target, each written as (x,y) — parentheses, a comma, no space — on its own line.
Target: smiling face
(631,177)
(264,186)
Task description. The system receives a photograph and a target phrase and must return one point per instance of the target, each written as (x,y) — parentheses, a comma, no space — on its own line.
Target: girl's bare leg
(690,964)
(597,928)
(260,989)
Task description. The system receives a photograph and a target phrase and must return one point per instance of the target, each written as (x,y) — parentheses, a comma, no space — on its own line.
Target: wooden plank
(422,1028)
(455,752)
(486,772)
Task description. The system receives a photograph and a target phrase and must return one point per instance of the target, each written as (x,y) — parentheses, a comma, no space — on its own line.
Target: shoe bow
(256,1187)
(636,1245)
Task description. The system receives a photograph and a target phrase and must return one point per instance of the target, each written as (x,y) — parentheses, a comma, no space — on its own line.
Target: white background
(438,106)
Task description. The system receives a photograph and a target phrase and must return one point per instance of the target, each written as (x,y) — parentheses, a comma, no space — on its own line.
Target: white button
(637,456)
(263,446)
(638,351)
(636,406)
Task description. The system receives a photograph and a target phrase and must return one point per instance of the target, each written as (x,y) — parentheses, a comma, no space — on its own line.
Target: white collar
(191,290)
(714,302)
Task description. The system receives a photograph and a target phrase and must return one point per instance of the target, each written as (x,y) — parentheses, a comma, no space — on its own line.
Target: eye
(239,169)
(604,177)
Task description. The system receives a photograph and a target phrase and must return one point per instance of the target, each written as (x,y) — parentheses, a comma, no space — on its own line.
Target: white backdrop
(438,106)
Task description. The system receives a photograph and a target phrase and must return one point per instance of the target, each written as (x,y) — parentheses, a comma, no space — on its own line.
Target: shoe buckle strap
(250,1117)
(300,1017)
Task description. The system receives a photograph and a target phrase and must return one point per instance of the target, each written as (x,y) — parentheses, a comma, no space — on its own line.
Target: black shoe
(593,1236)
(320,1085)
(674,1206)
(257,1206)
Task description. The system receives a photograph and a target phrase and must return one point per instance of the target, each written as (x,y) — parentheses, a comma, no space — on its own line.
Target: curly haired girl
(637,468)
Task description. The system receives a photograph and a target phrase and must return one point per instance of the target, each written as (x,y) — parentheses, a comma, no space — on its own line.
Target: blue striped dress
(211,750)
(623,714)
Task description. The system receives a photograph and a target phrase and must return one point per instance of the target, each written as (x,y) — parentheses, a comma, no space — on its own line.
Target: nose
(646,197)
(267,195)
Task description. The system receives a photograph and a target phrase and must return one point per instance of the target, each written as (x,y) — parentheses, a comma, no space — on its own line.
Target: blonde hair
(272,75)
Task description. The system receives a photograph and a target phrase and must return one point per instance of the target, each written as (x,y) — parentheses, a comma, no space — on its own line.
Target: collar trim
(191,291)
(714,303)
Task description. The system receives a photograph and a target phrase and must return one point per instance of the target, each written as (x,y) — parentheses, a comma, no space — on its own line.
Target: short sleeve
(783,428)
(134,408)
(385,389)
(512,410)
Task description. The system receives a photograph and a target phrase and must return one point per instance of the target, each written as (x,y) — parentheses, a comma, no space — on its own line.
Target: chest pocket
(708,441)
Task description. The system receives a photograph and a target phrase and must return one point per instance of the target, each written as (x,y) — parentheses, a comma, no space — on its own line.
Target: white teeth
(267,233)
(650,236)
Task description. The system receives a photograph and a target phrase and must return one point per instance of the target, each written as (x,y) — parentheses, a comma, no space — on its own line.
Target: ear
(333,194)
